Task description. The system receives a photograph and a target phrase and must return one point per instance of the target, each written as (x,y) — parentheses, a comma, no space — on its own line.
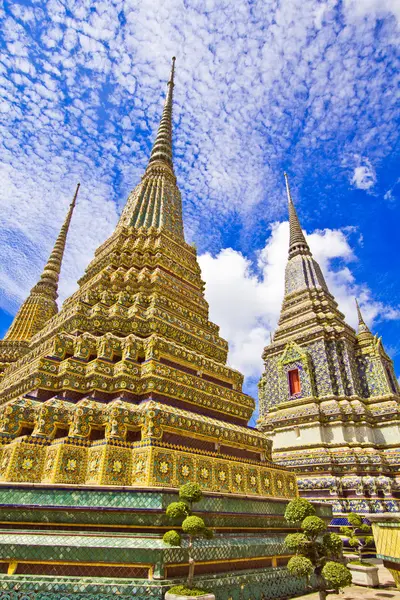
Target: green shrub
(354,519)
(297,510)
(182,590)
(296,541)
(193,525)
(172,538)
(177,510)
(190,492)
(333,543)
(369,540)
(354,542)
(336,575)
(313,525)
(300,566)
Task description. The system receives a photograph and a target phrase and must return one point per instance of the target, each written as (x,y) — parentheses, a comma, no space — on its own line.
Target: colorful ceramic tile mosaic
(338,430)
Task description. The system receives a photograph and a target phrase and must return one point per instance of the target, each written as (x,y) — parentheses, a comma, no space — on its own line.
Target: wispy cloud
(259,85)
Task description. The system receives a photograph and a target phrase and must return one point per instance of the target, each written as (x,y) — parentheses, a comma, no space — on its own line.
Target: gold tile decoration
(128,384)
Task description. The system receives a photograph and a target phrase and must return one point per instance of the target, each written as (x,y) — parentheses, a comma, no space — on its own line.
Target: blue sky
(263,86)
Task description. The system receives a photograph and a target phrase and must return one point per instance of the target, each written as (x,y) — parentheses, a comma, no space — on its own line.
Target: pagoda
(114,402)
(329,397)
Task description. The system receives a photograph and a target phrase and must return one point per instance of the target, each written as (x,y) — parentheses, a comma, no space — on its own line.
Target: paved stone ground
(386,591)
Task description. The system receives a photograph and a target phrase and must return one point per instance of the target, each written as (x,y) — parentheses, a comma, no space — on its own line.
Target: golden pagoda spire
(41,304)
(162,147)
(156,201)
(297,240)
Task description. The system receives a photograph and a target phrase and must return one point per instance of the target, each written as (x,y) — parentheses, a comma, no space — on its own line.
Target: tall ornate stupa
(329,397)
(117,400)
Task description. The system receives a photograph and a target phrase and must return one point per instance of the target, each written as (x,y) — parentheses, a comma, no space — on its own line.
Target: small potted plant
(359,538)
(319,554)
(193,528)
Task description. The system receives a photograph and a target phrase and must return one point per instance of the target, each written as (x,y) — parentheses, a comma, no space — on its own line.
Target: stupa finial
(162,147)
(51,271)
(297,239)
(362,326)
(41,304)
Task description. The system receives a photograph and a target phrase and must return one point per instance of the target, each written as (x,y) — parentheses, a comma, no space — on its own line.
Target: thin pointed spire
(297,239)
(52,269)
(362,326)
(162,147)
(156,201)
(41,304)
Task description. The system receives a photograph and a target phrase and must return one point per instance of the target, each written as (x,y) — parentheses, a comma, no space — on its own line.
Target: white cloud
(364,176)
(356,9)
(246,301)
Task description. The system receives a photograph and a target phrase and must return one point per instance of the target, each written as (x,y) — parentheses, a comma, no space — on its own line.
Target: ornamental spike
(297,240)
(162,147)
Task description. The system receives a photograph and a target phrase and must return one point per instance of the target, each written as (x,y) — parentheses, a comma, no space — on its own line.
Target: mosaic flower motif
(27,464)
(185,470)
(222,476)
(164,467)
(93,464)
(238,478)
(71,464)
(117,466)
(267,482)
(253,480)
(50,463)
(204,473)
(279,484)
(140,466)
(291,485)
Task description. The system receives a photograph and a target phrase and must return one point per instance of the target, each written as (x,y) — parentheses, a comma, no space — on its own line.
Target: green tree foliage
(190,492)
(317,551)
(172,538)
(177,510)
(357,532)
(297,510)
(192,526)
(336,575)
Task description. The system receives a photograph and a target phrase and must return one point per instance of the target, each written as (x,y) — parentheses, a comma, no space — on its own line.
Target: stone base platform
(74,543)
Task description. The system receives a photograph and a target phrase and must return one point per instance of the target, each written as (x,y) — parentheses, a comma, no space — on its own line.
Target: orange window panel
(294,382)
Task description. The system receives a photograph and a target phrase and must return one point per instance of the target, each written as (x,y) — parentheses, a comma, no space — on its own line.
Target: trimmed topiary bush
(172,538)
(192,526)
(190,492)
(300,566)
(333,542)
(182,590)
(177,510)
(297,510)
(313,526)
(294,541)
(336,575)
(356,531)
(315,553)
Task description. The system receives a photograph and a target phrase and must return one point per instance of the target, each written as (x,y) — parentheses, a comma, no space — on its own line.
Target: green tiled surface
(131,499)
(128,518)
(145,508)
(129,548)
(249,585)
